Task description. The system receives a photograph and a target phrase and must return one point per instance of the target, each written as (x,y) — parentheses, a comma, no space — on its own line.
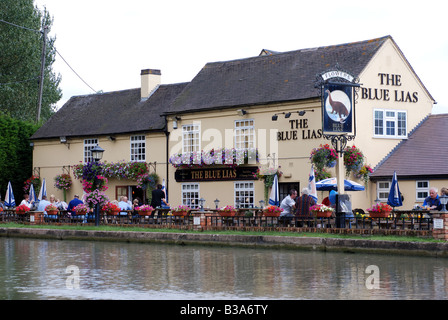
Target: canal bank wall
(430,249)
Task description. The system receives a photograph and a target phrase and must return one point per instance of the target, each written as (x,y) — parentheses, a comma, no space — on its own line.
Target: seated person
(124,205)
(432,202)
(288,205)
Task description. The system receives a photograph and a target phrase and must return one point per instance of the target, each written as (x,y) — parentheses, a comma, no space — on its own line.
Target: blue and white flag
(312,184)
(394,199)
(43,190)
(164,190)
(9,197)
(274,197)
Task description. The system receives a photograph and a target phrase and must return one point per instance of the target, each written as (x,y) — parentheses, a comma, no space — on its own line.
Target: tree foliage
(16,154)
(20,62)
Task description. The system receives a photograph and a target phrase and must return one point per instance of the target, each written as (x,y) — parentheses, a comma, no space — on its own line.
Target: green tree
(16,154)
(20,62)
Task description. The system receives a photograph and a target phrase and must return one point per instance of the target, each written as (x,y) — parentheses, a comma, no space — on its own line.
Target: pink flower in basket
(380,207)
(181,208)
(321,208)
(273,209)
(145,208)
(51,207)
(227,209)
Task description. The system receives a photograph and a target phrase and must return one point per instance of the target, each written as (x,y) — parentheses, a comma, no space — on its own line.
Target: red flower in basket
(272,211)
(111,209)
(22,209)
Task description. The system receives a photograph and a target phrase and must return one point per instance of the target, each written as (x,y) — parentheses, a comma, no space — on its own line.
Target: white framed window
(191,138)
(421,190)
(244,134)
(138,148)
(390,123)
(88,145)
(244,194)
(190,195)
(382,190)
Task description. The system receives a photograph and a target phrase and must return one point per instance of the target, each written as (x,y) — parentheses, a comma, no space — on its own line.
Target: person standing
(158,196)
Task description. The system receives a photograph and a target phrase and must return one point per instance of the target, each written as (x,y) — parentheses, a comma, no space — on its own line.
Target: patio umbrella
(9,197)
(394,199)
(274,197)
(43,190)
(332,184)
(33,197)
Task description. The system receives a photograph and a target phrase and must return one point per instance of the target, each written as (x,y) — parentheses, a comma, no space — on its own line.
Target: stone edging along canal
(431,249)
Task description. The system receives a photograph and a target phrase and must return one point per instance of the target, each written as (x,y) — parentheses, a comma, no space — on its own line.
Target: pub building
(208,137)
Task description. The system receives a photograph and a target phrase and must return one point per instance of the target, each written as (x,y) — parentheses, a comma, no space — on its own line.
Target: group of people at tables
(294,206)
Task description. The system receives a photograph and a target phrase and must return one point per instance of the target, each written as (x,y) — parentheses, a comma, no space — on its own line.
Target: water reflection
(36,269)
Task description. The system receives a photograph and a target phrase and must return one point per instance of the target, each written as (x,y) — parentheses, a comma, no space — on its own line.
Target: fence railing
(211,220)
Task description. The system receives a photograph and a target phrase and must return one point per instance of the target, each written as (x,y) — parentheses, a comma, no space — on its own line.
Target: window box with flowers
(81,209)
(321,211)
(110,209)
(221,156)
(227,211)
(181,210)
(323,157)
(52,210)
(380,210)
(145,210)
(22,209)
(272,211)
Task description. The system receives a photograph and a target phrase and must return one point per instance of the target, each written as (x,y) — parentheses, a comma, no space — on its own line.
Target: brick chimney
(150,80)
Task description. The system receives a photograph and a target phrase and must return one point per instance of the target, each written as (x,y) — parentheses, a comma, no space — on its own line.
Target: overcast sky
(108,42)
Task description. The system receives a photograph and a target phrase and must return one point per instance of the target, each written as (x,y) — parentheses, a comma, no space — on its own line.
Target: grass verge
(258,233)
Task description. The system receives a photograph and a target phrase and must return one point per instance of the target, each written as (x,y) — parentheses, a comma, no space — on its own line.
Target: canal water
(51,269)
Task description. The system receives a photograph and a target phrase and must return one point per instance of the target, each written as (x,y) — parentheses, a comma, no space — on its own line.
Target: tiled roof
(110,113)
(423,154)
(271,78)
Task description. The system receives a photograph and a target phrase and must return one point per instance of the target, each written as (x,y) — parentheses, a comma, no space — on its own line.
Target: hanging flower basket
(353,159)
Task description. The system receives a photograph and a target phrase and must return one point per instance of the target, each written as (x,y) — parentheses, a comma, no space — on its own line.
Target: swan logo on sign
(337,109)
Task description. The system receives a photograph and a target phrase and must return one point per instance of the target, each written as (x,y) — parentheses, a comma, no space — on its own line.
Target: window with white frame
(190,195)
(382,189)
(138,148)
(191,138)
(244,194)
(390,123)
(421,190)
(88,145)
(244,134)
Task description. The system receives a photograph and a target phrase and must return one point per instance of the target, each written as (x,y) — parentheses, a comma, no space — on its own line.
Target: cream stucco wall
(50,158)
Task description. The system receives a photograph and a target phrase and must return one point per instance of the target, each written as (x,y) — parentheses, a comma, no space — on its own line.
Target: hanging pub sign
(337,109)
(337,90)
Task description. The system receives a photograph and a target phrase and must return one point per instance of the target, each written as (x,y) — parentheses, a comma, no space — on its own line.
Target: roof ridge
(279,53)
